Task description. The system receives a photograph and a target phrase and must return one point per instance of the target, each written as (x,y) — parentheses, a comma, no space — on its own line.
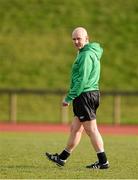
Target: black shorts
(85,105)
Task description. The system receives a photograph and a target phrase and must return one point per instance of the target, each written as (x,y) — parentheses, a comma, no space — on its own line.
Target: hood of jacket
(93,47)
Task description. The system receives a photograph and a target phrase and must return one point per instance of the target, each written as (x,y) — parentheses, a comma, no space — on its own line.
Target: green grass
(22,156)
(47,108)
(36,51)
(36,48)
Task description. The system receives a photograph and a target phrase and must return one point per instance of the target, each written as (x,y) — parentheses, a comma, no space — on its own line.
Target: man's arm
(85,67)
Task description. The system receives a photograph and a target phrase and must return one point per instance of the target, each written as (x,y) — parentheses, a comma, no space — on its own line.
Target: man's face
(79,39)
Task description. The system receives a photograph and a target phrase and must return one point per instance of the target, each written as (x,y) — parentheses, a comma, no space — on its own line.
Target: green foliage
(22,156)
(36,49)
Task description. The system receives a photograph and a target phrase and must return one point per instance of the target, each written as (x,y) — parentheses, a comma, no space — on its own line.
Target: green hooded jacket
(85,71)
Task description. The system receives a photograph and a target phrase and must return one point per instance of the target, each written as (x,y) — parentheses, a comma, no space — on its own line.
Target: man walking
(84,93)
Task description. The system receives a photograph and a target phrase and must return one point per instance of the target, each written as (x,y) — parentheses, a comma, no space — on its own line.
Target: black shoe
(55,158)
(98,165)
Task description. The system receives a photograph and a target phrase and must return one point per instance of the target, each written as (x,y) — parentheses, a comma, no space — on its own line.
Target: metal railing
(64,112)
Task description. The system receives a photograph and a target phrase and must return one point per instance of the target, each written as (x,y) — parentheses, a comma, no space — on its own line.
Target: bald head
(80,37)
(80,30)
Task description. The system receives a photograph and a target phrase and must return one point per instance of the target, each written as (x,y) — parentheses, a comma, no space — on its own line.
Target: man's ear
(87,38)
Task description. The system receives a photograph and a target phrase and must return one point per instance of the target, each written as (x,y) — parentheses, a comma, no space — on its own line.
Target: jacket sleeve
(85,64)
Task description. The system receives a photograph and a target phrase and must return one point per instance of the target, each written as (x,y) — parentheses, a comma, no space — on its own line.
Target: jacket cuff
(68,99)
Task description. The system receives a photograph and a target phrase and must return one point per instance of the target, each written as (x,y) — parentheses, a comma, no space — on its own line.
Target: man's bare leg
(95,137)
(97,143)
(75,135)
(74,138)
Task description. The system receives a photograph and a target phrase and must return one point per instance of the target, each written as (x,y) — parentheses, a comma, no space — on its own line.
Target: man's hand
(64,103)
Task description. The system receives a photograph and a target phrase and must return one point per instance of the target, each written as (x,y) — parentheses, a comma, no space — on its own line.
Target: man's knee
(91,131)
(76,130)
(90,128)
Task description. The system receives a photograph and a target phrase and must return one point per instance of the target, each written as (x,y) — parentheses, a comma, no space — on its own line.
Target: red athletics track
(30,127)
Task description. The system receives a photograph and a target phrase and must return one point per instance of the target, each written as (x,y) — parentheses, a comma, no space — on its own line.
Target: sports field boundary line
(44,127)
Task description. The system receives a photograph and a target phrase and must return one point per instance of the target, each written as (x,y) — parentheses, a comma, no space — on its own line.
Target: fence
(12,93)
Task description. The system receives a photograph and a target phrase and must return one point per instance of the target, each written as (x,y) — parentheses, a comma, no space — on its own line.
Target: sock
(102,157)
(64,154)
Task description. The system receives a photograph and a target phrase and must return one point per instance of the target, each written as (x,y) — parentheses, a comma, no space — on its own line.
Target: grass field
(38,109)
(36,51)
(22,156)
(35,40)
